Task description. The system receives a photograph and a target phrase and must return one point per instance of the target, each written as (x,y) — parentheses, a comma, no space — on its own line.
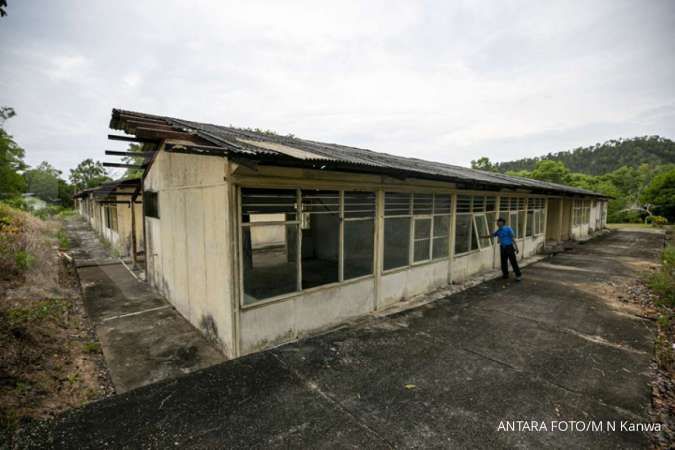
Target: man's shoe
(519,277)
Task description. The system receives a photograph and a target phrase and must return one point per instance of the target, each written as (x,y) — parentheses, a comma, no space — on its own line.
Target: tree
(3,8)
(553,171)
(660,194)
(43,181)
(88,174)
(46,183)
(11,159)
(483,163)
(134,173)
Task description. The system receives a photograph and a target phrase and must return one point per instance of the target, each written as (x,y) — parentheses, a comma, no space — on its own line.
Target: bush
(663,281)
(48,212)
(656,221)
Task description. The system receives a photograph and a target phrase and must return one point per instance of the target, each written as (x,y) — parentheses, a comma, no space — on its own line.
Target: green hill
(606,157)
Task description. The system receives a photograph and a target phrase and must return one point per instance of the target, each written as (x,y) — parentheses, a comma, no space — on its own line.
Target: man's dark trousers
(508,253)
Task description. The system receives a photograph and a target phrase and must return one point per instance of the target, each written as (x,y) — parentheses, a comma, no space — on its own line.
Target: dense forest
(638,174)
(599,159)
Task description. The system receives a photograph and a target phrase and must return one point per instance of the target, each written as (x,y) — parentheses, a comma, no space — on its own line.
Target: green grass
(23,260)
(662,282)
(44,309)
(91,347)
(616,226)
(64,241)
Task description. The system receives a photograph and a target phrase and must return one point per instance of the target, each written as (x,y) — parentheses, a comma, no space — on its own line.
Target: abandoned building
(258,239)
(114,211)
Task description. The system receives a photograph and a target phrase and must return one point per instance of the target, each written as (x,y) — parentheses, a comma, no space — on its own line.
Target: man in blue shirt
(508,249)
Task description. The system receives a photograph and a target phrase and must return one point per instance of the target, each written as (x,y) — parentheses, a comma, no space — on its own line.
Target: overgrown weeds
(49,358)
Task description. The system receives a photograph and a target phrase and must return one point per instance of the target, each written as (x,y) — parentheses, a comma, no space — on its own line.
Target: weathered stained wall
(187,251)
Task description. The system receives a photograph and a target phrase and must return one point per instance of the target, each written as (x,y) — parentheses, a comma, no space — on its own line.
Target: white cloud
(443,81)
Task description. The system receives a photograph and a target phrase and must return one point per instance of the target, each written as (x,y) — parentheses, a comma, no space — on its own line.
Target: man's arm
(513,239)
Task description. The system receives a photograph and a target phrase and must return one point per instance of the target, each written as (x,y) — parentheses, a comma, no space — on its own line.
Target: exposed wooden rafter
(134,154)
(115,137)
(123,165)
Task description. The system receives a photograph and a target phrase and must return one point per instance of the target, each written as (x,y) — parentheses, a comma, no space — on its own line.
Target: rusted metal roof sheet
(256,145)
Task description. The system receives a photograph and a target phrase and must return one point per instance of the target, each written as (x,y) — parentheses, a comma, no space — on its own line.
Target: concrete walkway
(144,340)
(557,347)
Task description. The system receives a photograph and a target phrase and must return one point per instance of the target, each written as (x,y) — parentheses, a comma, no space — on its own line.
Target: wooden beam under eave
(133,154)
(158,133)
(116,137)
(134,124)
(127,117)
(124,166)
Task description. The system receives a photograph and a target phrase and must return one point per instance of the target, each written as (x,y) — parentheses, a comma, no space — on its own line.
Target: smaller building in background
(115,211)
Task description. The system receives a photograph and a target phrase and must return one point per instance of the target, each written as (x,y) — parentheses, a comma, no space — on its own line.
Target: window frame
(486,206)
(297,222)
(432,215)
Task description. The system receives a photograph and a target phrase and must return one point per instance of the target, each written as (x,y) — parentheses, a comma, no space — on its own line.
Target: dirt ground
(50,360)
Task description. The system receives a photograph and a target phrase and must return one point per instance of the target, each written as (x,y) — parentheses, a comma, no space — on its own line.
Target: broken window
(320,237)
(359,234)
(110,212)
(397,223)
(294,240)
(269,243)
(150,204)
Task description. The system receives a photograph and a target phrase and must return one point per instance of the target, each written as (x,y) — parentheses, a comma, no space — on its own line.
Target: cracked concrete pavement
(558,346)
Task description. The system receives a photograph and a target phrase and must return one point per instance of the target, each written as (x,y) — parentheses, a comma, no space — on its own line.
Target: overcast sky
(445,81)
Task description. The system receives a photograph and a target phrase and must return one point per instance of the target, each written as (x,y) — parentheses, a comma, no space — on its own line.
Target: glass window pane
(359,204)
(359,244)
(440,247)
(530,223)
(474,236)
(320,248)
(268,201)
(521,223)
(396,242)
(483,230)
(422,239)
(441,226)
(269,260)
(513,223)
(422,228)
(396,204)
(422,250)
(462,233)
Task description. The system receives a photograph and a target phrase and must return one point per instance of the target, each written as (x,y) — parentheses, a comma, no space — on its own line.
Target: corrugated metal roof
(243,143)
(109,187)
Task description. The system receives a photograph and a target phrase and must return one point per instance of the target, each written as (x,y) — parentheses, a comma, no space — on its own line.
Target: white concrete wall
(402,284)
(275,323)
(187,249)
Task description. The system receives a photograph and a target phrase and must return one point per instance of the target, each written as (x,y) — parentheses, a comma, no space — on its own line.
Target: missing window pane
(396,242)
(270,261)
(463,233)
(320,250)
(358,248)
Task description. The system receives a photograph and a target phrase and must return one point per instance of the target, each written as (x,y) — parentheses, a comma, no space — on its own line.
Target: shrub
(23,260)
(656,221)
(662,282)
